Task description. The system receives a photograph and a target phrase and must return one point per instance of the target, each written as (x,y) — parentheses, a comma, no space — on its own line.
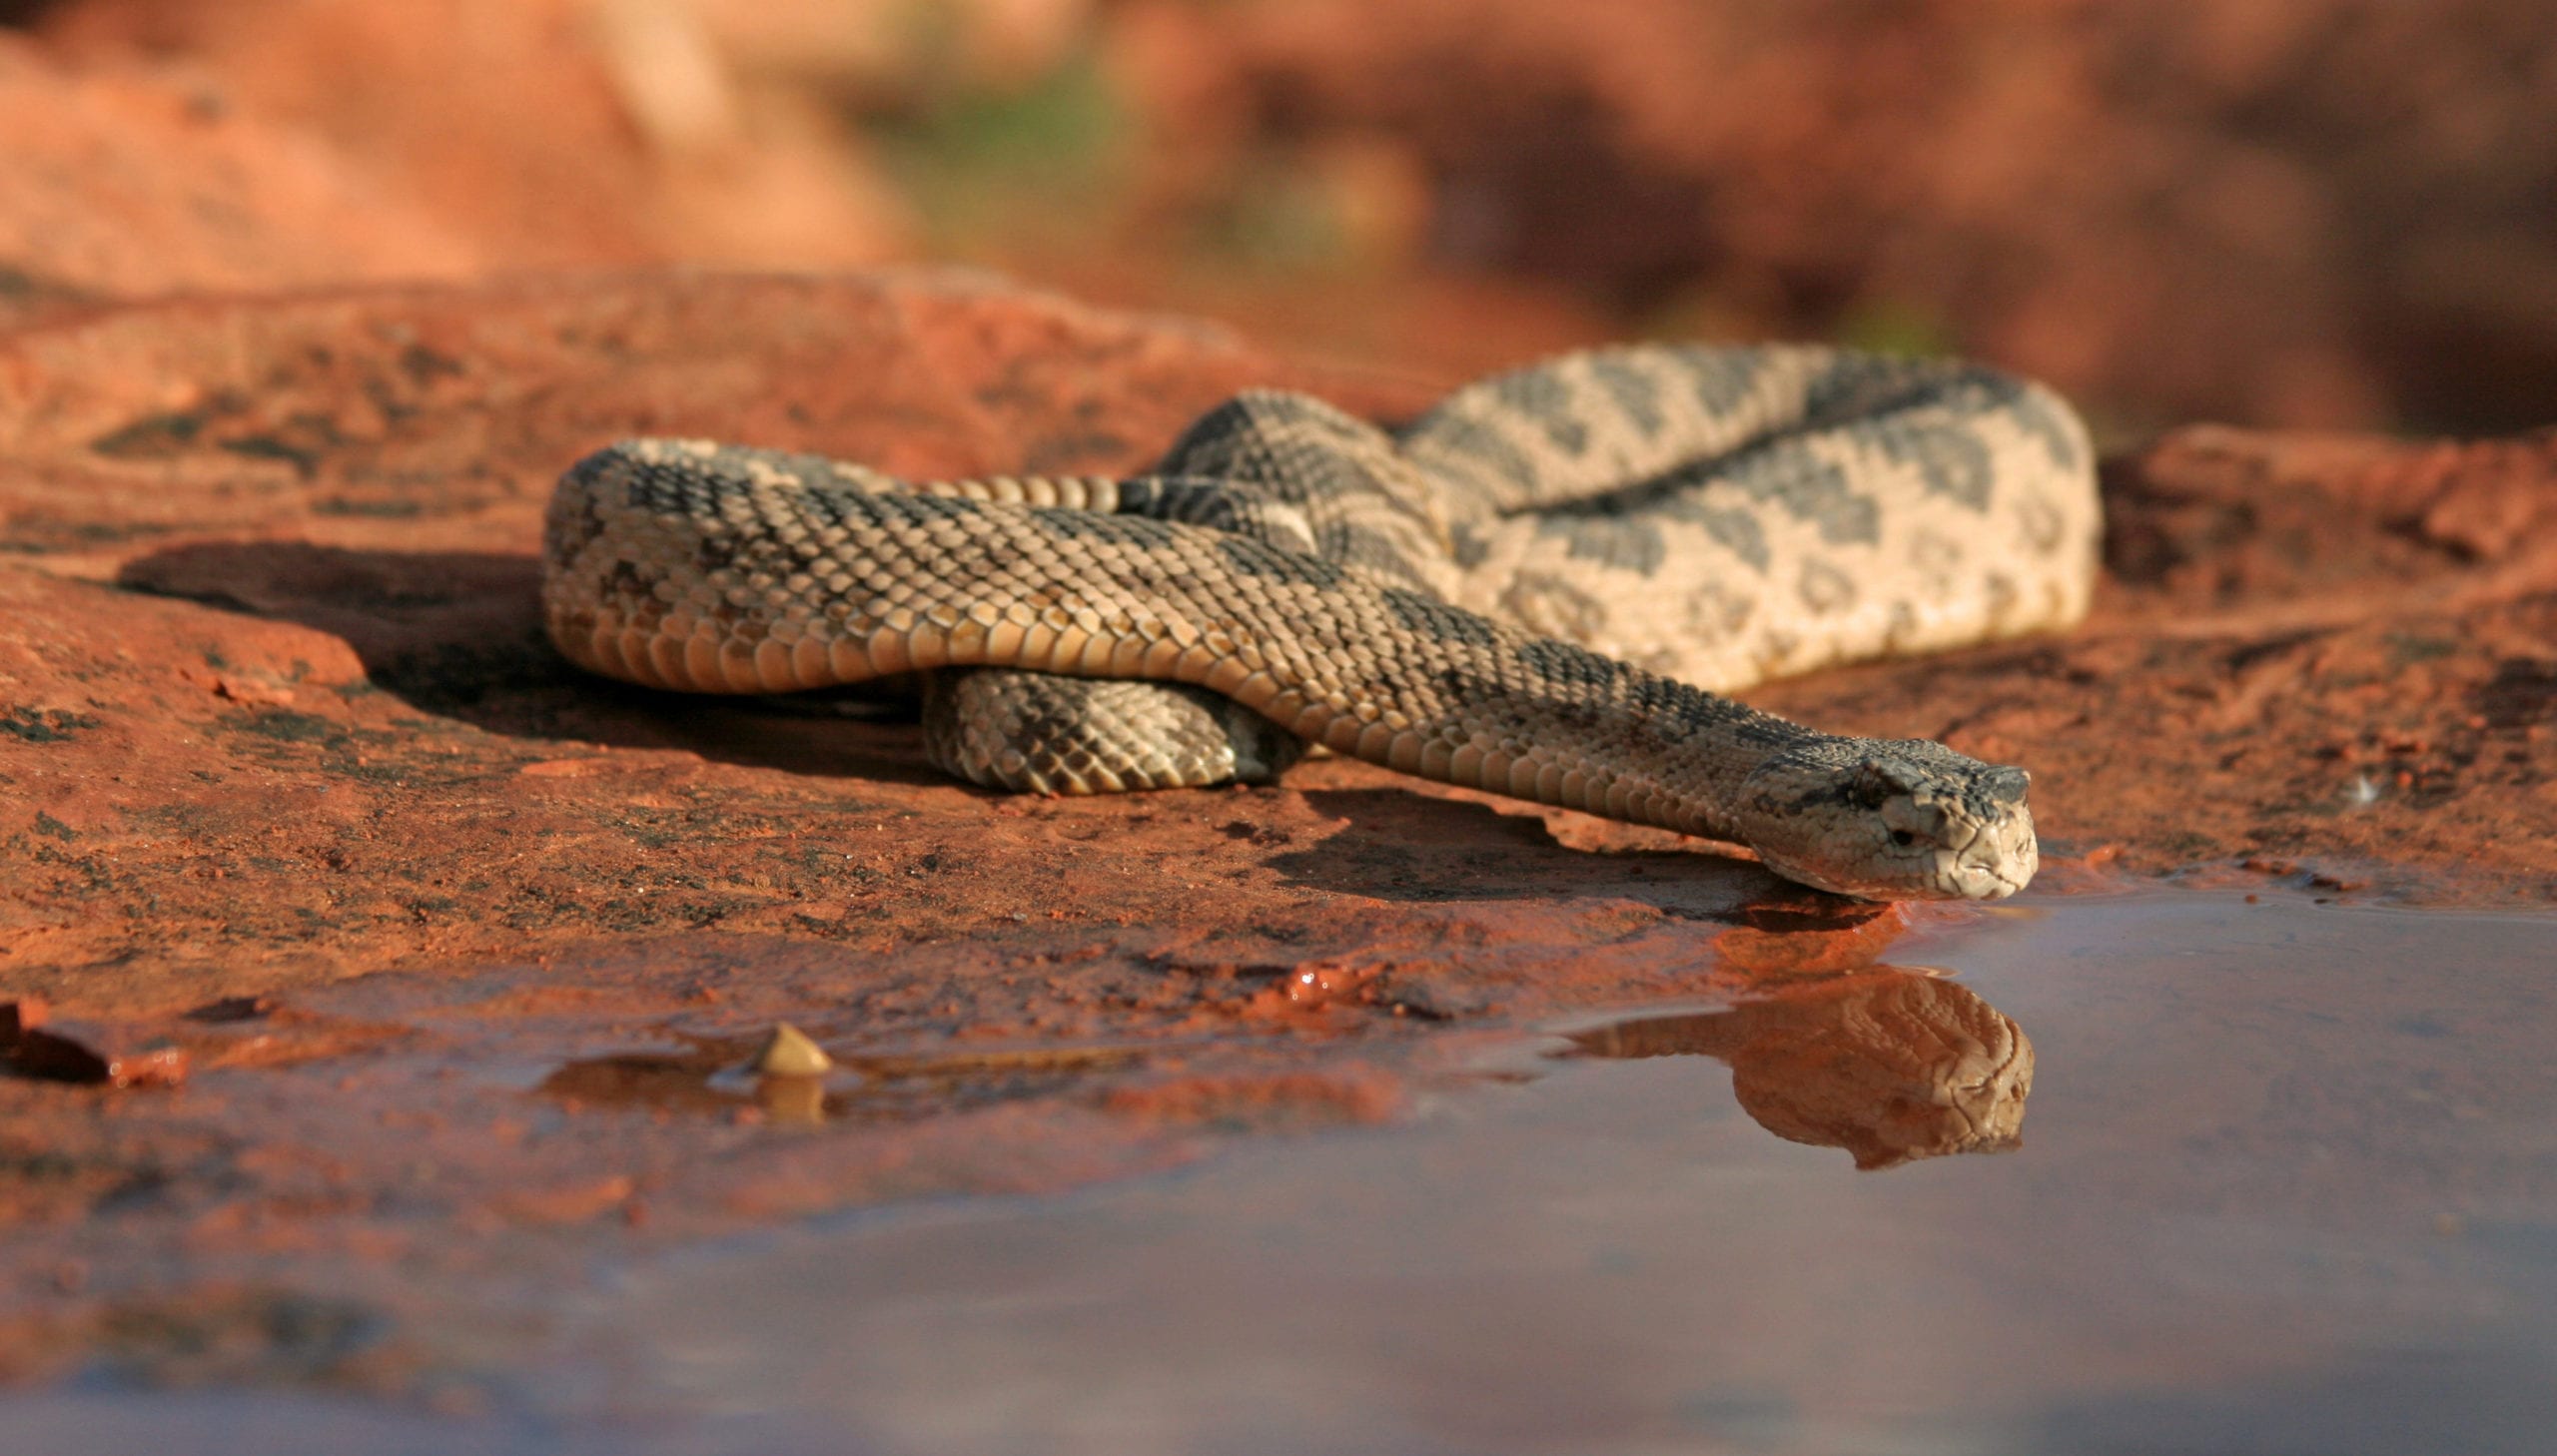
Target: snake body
(1530,589)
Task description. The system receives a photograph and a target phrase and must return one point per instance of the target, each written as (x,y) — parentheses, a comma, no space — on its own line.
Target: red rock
(2302,213)
(36,1043)
(124,182)
(533,133)
(2312,214)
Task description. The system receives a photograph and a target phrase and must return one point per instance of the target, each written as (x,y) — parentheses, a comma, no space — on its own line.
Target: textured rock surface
(297,803)
(125,184)
(171,147)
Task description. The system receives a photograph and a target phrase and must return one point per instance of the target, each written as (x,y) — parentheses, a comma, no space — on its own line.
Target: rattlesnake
(1530,589)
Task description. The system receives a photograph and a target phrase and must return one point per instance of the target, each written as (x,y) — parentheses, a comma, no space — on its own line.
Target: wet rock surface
(468,960)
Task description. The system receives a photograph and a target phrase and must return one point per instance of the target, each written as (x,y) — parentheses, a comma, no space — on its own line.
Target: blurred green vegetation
(1895,326)
(982,163)
(1281,216)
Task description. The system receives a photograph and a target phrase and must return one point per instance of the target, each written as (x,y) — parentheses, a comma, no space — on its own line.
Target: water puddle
(2289,1185)
(2271,1178)
(713,1075)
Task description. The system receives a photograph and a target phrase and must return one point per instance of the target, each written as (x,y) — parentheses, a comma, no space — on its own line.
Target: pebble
(790,1053)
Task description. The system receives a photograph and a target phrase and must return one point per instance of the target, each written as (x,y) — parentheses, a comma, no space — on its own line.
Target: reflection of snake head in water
(1889,1066)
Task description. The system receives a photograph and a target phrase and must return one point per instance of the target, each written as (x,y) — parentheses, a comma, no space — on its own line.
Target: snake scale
(1536,589)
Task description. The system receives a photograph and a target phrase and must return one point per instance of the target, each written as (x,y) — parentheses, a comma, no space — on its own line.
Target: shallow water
(2287,1183)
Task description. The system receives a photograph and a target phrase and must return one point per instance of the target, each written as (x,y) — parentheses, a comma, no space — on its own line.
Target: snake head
(1892,819)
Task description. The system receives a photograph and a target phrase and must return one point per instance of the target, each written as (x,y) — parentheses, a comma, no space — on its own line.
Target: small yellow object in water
(791,1054)
(799,1099)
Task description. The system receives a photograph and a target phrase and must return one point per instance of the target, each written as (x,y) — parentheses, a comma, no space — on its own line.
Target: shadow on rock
(1408,846)
(458,634)
(1887,1064)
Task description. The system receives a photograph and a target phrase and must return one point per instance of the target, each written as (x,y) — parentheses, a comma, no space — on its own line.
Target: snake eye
(1903,837)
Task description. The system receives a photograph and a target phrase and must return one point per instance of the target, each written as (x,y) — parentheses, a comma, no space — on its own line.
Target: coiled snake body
(1529,589)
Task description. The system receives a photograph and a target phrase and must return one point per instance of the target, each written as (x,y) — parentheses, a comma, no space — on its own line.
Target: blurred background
(2320,213)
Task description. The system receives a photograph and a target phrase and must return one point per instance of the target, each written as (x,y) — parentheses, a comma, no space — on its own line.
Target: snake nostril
(1903,837)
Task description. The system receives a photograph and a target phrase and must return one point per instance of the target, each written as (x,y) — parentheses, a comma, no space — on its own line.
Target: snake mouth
(1985,884)
(1996,860)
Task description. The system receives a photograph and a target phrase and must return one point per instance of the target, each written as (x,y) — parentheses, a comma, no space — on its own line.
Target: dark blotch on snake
(1252,558)
(1736,530)
(1262,442)
(2033,412)
(1367,548)
(625,581)
(715,551)
(1633,389)
(1216,505)
(1466,547)
(1567,665)
(1456,435)
(1609,538)
(1849,388)
(1809,489)
(1090,525)
(1948,458)
(1434,619)
(1538,396)
(1824,588)
(1724,381)
(1687,710)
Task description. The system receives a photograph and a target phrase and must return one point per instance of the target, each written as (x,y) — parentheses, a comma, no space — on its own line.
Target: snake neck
(1692,762)
(1878,819)
(1547,720)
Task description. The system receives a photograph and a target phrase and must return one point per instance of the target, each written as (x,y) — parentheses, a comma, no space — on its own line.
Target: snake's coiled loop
(1525,590)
